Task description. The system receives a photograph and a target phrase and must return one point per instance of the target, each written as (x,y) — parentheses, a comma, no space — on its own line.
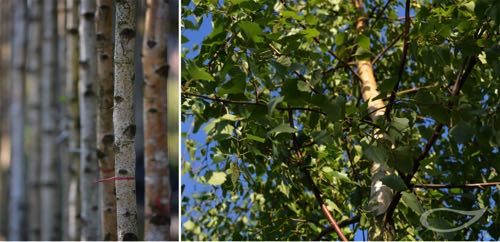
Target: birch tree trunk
(17,204)
(155,64)
(123,120)
(88,118)
(72,76)
(48,178)
(105,135)
(380,195)
(34,118)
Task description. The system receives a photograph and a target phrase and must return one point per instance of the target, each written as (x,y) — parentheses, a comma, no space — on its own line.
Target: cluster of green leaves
(265,57)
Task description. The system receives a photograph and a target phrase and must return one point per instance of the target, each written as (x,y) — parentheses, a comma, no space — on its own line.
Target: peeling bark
(105,135)
(17,195)
(158,191)
(123,120)
(90,218)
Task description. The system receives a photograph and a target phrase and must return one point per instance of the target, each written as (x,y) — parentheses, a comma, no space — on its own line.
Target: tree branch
(402,62)
(461,78)
(311,183)
(342,224)
(464,186)
(387,48)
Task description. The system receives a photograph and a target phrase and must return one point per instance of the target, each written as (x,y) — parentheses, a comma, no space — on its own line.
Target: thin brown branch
(402,62)
(464,186)
(238,102)
(461,78)
(387,48)
(379,13)
(342,224)
(311,183)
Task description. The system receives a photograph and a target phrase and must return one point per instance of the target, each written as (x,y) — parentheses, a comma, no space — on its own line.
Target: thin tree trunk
(123,120)
(17,204)
(105,135)
(48,179)
(72,76)
(33,79)
(380,194)
(88,118)
(155,64)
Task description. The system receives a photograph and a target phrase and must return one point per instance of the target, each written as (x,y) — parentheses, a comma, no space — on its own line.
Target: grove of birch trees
(88,120)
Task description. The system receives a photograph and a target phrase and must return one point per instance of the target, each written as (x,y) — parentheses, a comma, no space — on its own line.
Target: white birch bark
(155,64)
(90,220)
(33,79)
(72,77)
(17,204)
(123,120)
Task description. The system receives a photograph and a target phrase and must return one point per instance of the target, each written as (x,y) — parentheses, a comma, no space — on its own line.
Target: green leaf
(310,33)
(255,138)
(199,73)
(189,225)
(411,201)
(273,103)
(395,182)
(402,159)
(217,178)
(375,154)
(282,128)
(235,173)
(461,132)
(400,123)
(230,117)
(340,38)
(364,42)
(252,31)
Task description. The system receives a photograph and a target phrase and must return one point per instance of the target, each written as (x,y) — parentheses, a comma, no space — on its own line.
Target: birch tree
(155,64)
(17,201)
(33,79)
(105,135)
(49,166)
(72,77)
(90,216)
(123,120)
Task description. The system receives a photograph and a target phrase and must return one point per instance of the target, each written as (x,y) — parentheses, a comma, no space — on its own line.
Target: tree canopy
(275,89)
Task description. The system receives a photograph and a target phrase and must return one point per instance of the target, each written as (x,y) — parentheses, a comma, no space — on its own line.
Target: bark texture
(49,169)
(90,216)
(105,135)
(17,204)
(73,119)
(155,64)
(33,80)
(380,195)
(123,120)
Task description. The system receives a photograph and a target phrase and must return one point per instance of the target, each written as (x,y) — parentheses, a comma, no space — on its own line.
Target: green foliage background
(263,57)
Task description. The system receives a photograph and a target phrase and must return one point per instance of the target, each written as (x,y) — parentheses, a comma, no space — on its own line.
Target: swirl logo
(476,216)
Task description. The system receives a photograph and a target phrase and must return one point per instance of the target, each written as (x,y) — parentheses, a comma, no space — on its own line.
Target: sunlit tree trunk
(49,176)
(380,195)
(105,135)
(17,202)
(88,118)
(72,77)
(155,64)
(34,116)
(123,120)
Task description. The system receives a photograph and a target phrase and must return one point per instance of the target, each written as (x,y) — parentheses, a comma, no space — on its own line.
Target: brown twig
(387,48)
(342,224)
(464,186)
(311,183)
(402,62)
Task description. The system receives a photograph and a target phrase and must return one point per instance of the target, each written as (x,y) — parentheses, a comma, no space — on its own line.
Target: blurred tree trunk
(88,118)
(17,196)
(105,135)
(155,64)
(72,76)
(34,59)
(123,120)
(49,177)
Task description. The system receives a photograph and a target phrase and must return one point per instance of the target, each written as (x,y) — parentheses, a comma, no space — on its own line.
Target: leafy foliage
(264,58)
